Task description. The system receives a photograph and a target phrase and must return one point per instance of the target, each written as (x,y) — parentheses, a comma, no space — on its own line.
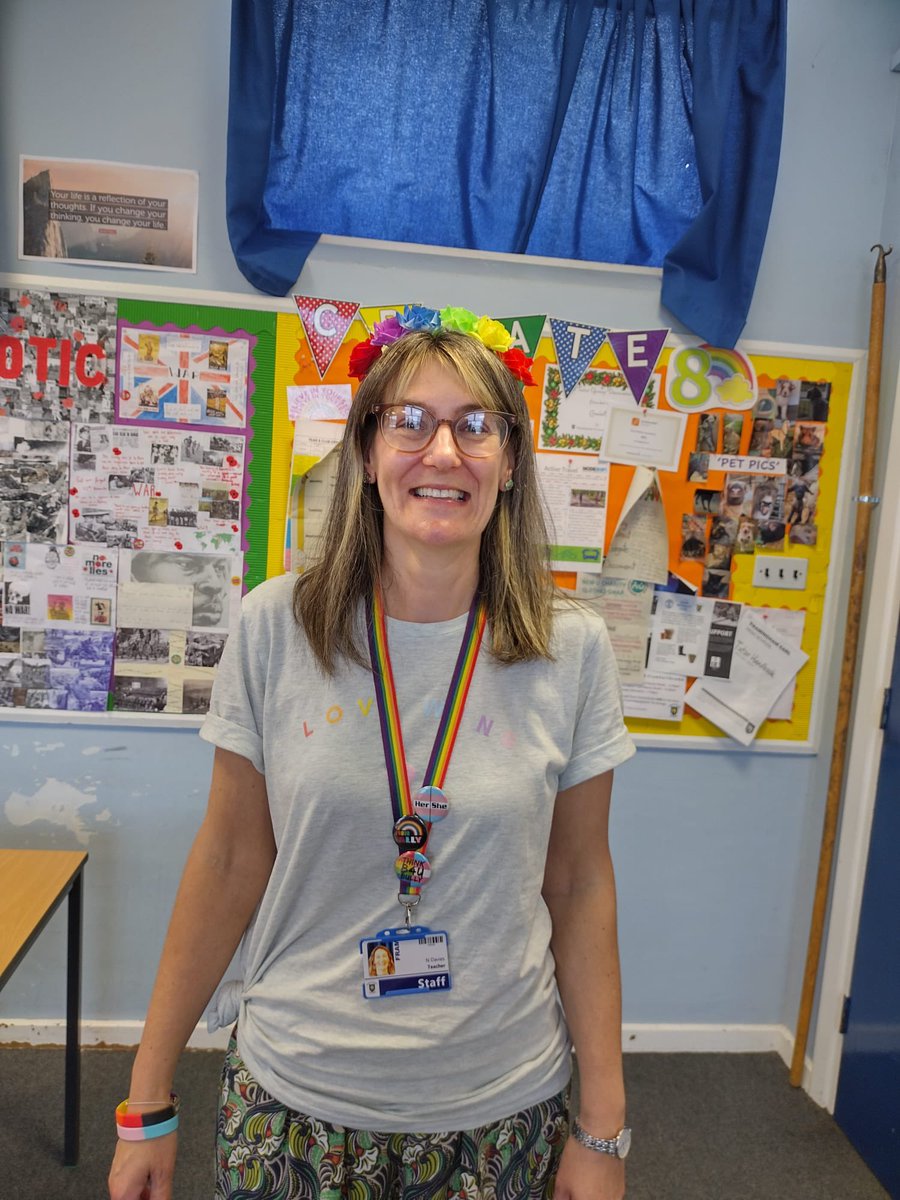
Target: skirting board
(636,1039)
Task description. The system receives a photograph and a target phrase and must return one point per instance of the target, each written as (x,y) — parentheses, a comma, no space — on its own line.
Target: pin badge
(413,868)
(410,833)
(430,804)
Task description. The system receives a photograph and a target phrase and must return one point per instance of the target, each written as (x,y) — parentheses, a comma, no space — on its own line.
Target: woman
(381,961)
(334,1080)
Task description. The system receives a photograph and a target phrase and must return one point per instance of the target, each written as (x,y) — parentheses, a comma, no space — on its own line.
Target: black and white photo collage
(121,564)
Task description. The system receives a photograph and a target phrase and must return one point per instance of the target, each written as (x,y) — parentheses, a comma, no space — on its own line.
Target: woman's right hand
(143,1170)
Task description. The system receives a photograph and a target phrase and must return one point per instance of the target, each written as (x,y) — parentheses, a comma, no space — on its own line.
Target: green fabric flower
(459,319)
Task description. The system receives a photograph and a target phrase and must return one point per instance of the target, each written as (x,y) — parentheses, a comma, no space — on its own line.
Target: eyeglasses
(410,428)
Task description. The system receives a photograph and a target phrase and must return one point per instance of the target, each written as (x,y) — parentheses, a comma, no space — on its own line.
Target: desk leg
(73,1031)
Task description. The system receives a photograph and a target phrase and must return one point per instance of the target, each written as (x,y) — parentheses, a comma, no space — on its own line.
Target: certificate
(643,437)
(577,421)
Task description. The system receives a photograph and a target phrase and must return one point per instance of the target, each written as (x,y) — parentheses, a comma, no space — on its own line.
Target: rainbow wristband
(141,1127)
(145,1133)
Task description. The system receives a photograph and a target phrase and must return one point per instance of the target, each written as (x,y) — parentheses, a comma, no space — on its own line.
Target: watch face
(623,1143)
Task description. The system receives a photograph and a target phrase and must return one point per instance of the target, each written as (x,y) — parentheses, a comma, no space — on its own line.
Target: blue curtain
(626,131)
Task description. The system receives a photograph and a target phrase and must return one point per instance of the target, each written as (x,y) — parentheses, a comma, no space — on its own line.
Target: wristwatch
(618,1145)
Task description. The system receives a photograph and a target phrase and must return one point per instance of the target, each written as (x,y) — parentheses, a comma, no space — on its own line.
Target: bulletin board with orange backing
(837,378)
(832,373)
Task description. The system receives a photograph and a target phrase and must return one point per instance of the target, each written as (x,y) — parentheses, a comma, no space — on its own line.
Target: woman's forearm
(585,948)
(224,878)
(212,909)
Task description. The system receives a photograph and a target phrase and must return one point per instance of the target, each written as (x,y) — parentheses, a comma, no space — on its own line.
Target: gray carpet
(706,1127)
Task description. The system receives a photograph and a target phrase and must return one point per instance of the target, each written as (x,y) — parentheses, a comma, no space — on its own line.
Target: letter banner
(525,332)
(325,323)
(576,346)
(373,313)
(637,352)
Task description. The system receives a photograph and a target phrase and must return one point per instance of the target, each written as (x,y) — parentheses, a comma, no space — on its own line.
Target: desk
(33,884)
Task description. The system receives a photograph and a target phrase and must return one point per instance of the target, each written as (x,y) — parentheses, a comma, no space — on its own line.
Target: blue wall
(716,852)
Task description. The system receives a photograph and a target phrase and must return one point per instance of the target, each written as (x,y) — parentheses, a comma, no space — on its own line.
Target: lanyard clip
(409,903)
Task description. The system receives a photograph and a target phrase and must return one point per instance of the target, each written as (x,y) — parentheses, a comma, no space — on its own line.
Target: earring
(508,486)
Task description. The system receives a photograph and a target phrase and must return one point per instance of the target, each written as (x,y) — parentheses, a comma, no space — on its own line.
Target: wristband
(138,1127)
(145,1133)
(163,1112)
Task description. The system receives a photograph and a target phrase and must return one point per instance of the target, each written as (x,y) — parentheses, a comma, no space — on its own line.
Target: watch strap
(618,1146)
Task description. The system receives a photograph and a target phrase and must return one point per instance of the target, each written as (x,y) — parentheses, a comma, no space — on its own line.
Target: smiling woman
(492,535)
(486,758)
(436,498)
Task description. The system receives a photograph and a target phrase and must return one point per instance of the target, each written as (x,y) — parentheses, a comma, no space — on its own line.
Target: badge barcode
(433,940)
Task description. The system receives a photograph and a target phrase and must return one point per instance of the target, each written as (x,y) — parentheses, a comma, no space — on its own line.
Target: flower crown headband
(416,318)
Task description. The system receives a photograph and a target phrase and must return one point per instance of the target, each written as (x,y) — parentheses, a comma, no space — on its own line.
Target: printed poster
(156,489)
(313,475)
(175,611)
(71,587)
(656,697)
(165,670)
(181,377)
(679,634)
(625,606)
(57,669)
(764,664)
(56,642)
(574,492)
(214,579)
(108,213)
(789,625)
(640,545)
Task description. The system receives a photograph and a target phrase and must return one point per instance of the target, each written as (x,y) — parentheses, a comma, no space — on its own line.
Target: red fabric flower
(520,364)
(17,324)
(362,357)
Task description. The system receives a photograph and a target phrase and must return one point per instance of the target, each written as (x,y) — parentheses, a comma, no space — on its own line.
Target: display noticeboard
(746,450)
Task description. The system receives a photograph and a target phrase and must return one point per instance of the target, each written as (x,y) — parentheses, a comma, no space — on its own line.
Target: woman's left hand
(587,1175)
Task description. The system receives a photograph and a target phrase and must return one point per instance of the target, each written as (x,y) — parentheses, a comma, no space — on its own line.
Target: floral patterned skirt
(265,1151)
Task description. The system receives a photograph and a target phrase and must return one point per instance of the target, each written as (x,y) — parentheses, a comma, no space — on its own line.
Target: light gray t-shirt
(497,1042)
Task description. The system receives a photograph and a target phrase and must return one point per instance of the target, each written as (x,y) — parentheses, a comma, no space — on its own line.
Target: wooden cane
(865,502)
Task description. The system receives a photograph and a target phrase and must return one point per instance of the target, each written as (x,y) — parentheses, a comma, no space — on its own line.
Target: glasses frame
(510,418)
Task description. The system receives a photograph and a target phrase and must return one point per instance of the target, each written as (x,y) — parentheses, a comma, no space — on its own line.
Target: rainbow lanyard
(417,872)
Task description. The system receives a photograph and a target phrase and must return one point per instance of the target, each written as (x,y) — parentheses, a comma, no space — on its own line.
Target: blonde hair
(514,577)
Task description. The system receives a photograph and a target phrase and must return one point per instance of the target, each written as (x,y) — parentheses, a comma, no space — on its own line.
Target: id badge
(405,961)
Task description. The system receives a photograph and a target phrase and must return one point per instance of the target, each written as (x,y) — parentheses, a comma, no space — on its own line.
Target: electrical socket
(776,571)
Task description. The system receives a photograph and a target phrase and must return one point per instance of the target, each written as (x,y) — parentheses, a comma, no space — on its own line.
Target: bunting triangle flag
(379,312)
(637,352)
(325,323)
(576,344)
(525,332)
